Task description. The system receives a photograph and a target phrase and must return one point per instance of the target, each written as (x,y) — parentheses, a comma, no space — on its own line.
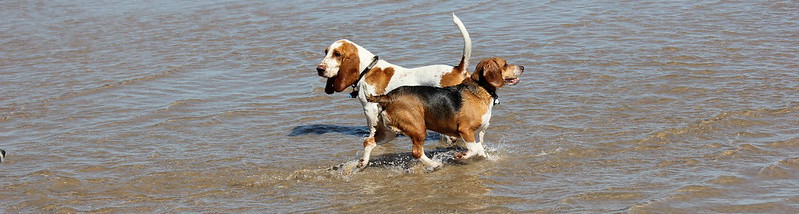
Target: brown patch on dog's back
(379,78)
(454,77)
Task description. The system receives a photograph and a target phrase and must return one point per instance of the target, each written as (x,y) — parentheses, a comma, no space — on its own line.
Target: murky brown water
(214,106)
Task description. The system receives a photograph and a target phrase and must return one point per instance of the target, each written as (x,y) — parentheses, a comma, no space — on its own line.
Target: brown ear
(329,86)
(340,82)
(348,72)
(489,70)
(494,77)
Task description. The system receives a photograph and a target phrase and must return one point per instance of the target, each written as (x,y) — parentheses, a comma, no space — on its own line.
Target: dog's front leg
(480,150)
(371,111)
(471,146)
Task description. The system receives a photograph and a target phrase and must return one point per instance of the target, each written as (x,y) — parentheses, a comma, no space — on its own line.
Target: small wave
(740,150)
(727,180)
(549,151)
(786,144)
(7,113)
(786,168)
(113,85)
(735,125)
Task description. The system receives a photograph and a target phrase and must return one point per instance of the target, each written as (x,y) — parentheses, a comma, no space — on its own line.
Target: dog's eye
(336,54)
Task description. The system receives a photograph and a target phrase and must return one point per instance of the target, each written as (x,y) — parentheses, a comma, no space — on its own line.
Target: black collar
(354,93)
(486,86)
(495,96)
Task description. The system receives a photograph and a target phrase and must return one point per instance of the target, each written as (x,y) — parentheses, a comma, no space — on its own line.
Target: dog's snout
(320,69)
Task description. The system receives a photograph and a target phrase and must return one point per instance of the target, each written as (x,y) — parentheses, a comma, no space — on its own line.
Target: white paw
(362,164)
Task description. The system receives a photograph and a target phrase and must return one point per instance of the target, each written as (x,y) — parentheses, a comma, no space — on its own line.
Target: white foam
(549,152)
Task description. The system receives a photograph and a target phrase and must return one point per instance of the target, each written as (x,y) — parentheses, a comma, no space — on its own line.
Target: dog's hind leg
(418,133)
(418,153)
(384,134)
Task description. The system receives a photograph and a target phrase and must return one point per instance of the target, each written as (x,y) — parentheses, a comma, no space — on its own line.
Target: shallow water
(214,106)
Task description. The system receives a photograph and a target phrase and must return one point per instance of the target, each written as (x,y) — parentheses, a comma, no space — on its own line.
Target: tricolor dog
(348,64)
(459,110)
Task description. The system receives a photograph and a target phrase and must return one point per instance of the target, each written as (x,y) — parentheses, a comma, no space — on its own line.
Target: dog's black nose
(320,69)
(521,67)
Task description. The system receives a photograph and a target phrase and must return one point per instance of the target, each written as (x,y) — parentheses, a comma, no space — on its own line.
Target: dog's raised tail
(467,44)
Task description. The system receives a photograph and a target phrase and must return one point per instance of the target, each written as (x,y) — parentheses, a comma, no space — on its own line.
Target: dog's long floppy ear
(329,86)
(489,71)
(348,73)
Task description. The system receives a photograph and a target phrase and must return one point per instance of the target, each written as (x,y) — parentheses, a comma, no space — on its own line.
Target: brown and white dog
(459,110)
(348,64)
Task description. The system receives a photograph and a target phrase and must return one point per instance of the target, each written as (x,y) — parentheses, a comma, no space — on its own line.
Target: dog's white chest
(487,116)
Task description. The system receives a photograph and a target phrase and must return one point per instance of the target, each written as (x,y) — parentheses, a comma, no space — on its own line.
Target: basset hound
(459,110)
(348,64)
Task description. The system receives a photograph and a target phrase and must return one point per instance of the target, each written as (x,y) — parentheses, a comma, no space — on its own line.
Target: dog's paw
(362,164)
(436,167)
(463,155)
(459,155)
(346,168)
(453,139)
(426,168)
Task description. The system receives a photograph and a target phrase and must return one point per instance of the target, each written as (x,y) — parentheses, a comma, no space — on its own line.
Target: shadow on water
(318,129)
(405,160)
(359,131)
